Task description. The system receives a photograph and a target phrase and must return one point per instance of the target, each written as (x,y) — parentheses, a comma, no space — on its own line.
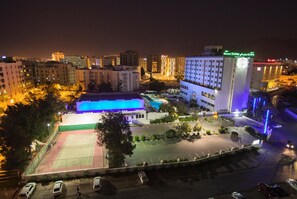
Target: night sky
(35,28)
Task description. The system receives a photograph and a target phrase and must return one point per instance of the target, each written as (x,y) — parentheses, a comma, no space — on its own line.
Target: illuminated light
(258,68)
(3,57)
(242,63)
(238,54)
(254,105)
(12,101)
(266,122)
(271,60)
(109,105)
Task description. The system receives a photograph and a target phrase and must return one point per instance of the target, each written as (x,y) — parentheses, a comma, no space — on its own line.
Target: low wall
(156,115)
(105,171)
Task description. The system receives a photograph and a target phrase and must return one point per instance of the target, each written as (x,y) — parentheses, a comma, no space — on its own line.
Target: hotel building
(218,81)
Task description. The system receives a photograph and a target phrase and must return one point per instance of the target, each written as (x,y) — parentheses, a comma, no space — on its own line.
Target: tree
(91,85)
(23,123)
(142,72)
(156,85)
(115,134)
(105,87)
(167,108)
(182,129)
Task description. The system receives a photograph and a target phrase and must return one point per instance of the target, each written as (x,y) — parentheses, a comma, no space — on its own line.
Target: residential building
(57,56)
(11,80)
(76,60)
(55,72)
(266,75)
(129,58)
(154,63)
(95,61)
(180,66)
(218,82)
(125,80)
(28,68)
(111,60)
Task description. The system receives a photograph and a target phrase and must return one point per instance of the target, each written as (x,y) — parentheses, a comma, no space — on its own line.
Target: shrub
(154,137)
(136,138)
(197,128)
(208,132)
(170,134)
(143,138)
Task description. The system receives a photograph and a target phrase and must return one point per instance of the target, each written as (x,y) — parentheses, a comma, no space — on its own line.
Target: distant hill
(268,47)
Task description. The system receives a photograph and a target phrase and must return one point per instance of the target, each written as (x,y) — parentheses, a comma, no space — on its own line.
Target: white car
(292,183)
(58,188)
(97,183)
(143,178)
(237,195)
(27,190)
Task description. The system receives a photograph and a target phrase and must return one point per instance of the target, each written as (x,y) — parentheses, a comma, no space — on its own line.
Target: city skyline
(177,28)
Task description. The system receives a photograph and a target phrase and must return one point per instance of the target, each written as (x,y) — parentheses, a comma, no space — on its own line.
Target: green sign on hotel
(237,54)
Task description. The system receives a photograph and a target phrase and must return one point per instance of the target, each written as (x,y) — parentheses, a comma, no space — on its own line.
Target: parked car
(234,134)
(266,190)
(97,183)
(292,183)
(290,144)
(237,195)
(143,178)
(279,191)
(27,190)
(58,188)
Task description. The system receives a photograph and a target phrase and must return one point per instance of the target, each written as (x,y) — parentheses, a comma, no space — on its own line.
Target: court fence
(36,160)
(84,173)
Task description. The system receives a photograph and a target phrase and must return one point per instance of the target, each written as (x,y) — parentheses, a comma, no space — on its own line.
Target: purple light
(266,122)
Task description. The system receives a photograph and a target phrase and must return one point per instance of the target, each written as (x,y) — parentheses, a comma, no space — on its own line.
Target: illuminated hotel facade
(265,75)
(218,82)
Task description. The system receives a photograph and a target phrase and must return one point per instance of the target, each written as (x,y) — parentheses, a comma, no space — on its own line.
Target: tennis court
(73,150)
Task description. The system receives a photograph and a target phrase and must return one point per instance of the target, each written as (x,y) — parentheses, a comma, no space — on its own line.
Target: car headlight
(288,145)
(292,147)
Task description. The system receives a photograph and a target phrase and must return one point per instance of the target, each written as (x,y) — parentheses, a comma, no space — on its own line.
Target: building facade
(180,67)
(265,75)
(29,73)
(129,58)
(57,56)
(55,72)
(218,83)
(111,60)
(76,60)
(12,80)
(125,80)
